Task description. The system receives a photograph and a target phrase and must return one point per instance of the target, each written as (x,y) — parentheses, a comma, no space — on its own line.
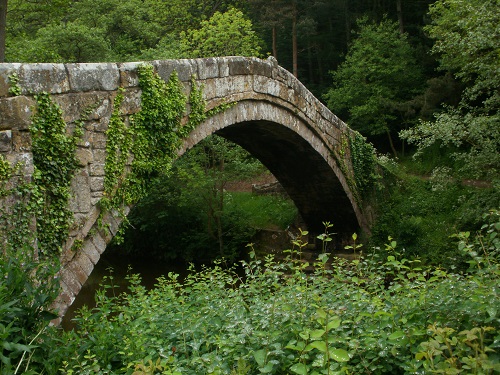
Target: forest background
(418,78)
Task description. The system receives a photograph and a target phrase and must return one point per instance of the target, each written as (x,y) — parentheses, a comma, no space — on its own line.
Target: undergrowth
(422,211)
(264,211)
(380,314)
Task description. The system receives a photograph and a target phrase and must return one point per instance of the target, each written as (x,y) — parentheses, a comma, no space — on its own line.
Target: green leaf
(396,335)
(320,345)
(299,368)
(260,357)
(333,324)
(317,333)
(267,368)
(321,313)
(339,355)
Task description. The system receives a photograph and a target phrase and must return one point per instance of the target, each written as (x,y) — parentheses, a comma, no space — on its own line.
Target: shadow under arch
(296,155)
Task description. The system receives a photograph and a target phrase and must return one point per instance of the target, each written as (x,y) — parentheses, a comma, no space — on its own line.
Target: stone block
(24,162)
(131,102)
(5,140)
(43,77)
(79,221)
(185,69)
(240,66)
(6,70)
(263,67)
(99,141)
(128,74)
(96,184)
(106,234)
(77,272)
(99,156)
(103,109)
(102,124)
(84,156)
(71,281)
(91,218)
(16,112)
(84,262)
(21,141)
(99,242)
(232,85)
(96,169)
(65,298)
(223,66)
(84,105)
(79,201)
(91,251)
(93,77)
(208,68)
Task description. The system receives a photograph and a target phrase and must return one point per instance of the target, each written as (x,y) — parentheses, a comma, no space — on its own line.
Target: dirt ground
(246,186)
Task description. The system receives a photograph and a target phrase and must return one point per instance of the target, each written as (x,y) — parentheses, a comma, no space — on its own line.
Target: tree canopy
(467,34)
(224,34)
(374,86)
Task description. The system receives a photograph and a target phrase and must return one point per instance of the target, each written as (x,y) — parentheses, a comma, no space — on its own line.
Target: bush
(378,315)
(27,289)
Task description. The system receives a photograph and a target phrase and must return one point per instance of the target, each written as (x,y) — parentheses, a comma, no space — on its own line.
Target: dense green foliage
(33,229)
(55,164)
(131,30)
(374,86)
(153,136)
(378,315)
(466,34)
(40,215)
(386,313)
(24,308)
(421,213)
(224,34)
(188,214)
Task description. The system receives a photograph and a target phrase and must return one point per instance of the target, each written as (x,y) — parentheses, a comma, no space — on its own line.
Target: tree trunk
(391,143)
(347,24)
(3,25)
(275,48)
(400,17)
(294,39)
(220,208)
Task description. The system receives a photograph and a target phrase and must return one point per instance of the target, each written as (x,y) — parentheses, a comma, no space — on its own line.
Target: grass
(421,211)
(264,211)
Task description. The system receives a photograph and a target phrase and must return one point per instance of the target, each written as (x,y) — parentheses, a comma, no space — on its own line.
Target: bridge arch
(295,154)
(274,117)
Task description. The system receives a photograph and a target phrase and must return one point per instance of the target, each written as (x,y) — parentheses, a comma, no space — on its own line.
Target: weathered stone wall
(275,117)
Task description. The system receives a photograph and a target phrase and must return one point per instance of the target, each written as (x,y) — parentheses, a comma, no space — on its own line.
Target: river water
(119,266)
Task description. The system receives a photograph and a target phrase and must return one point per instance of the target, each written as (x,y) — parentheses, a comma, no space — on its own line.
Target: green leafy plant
(14,88)
(451,352)
(338,317)
(55,164)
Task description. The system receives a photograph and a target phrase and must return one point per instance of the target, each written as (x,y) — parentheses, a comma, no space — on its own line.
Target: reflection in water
(120,265)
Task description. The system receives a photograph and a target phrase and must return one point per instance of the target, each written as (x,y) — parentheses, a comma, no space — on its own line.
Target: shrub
(377,315)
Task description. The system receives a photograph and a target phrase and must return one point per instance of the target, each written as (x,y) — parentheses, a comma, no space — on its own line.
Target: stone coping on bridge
(78,78)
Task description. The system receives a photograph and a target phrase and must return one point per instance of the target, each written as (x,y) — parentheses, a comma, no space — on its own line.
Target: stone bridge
(275,118)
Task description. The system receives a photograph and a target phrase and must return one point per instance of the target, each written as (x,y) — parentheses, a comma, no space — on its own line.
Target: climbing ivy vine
(55,164)
(363,163)
(5,175)
(153,136)
(42,203)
